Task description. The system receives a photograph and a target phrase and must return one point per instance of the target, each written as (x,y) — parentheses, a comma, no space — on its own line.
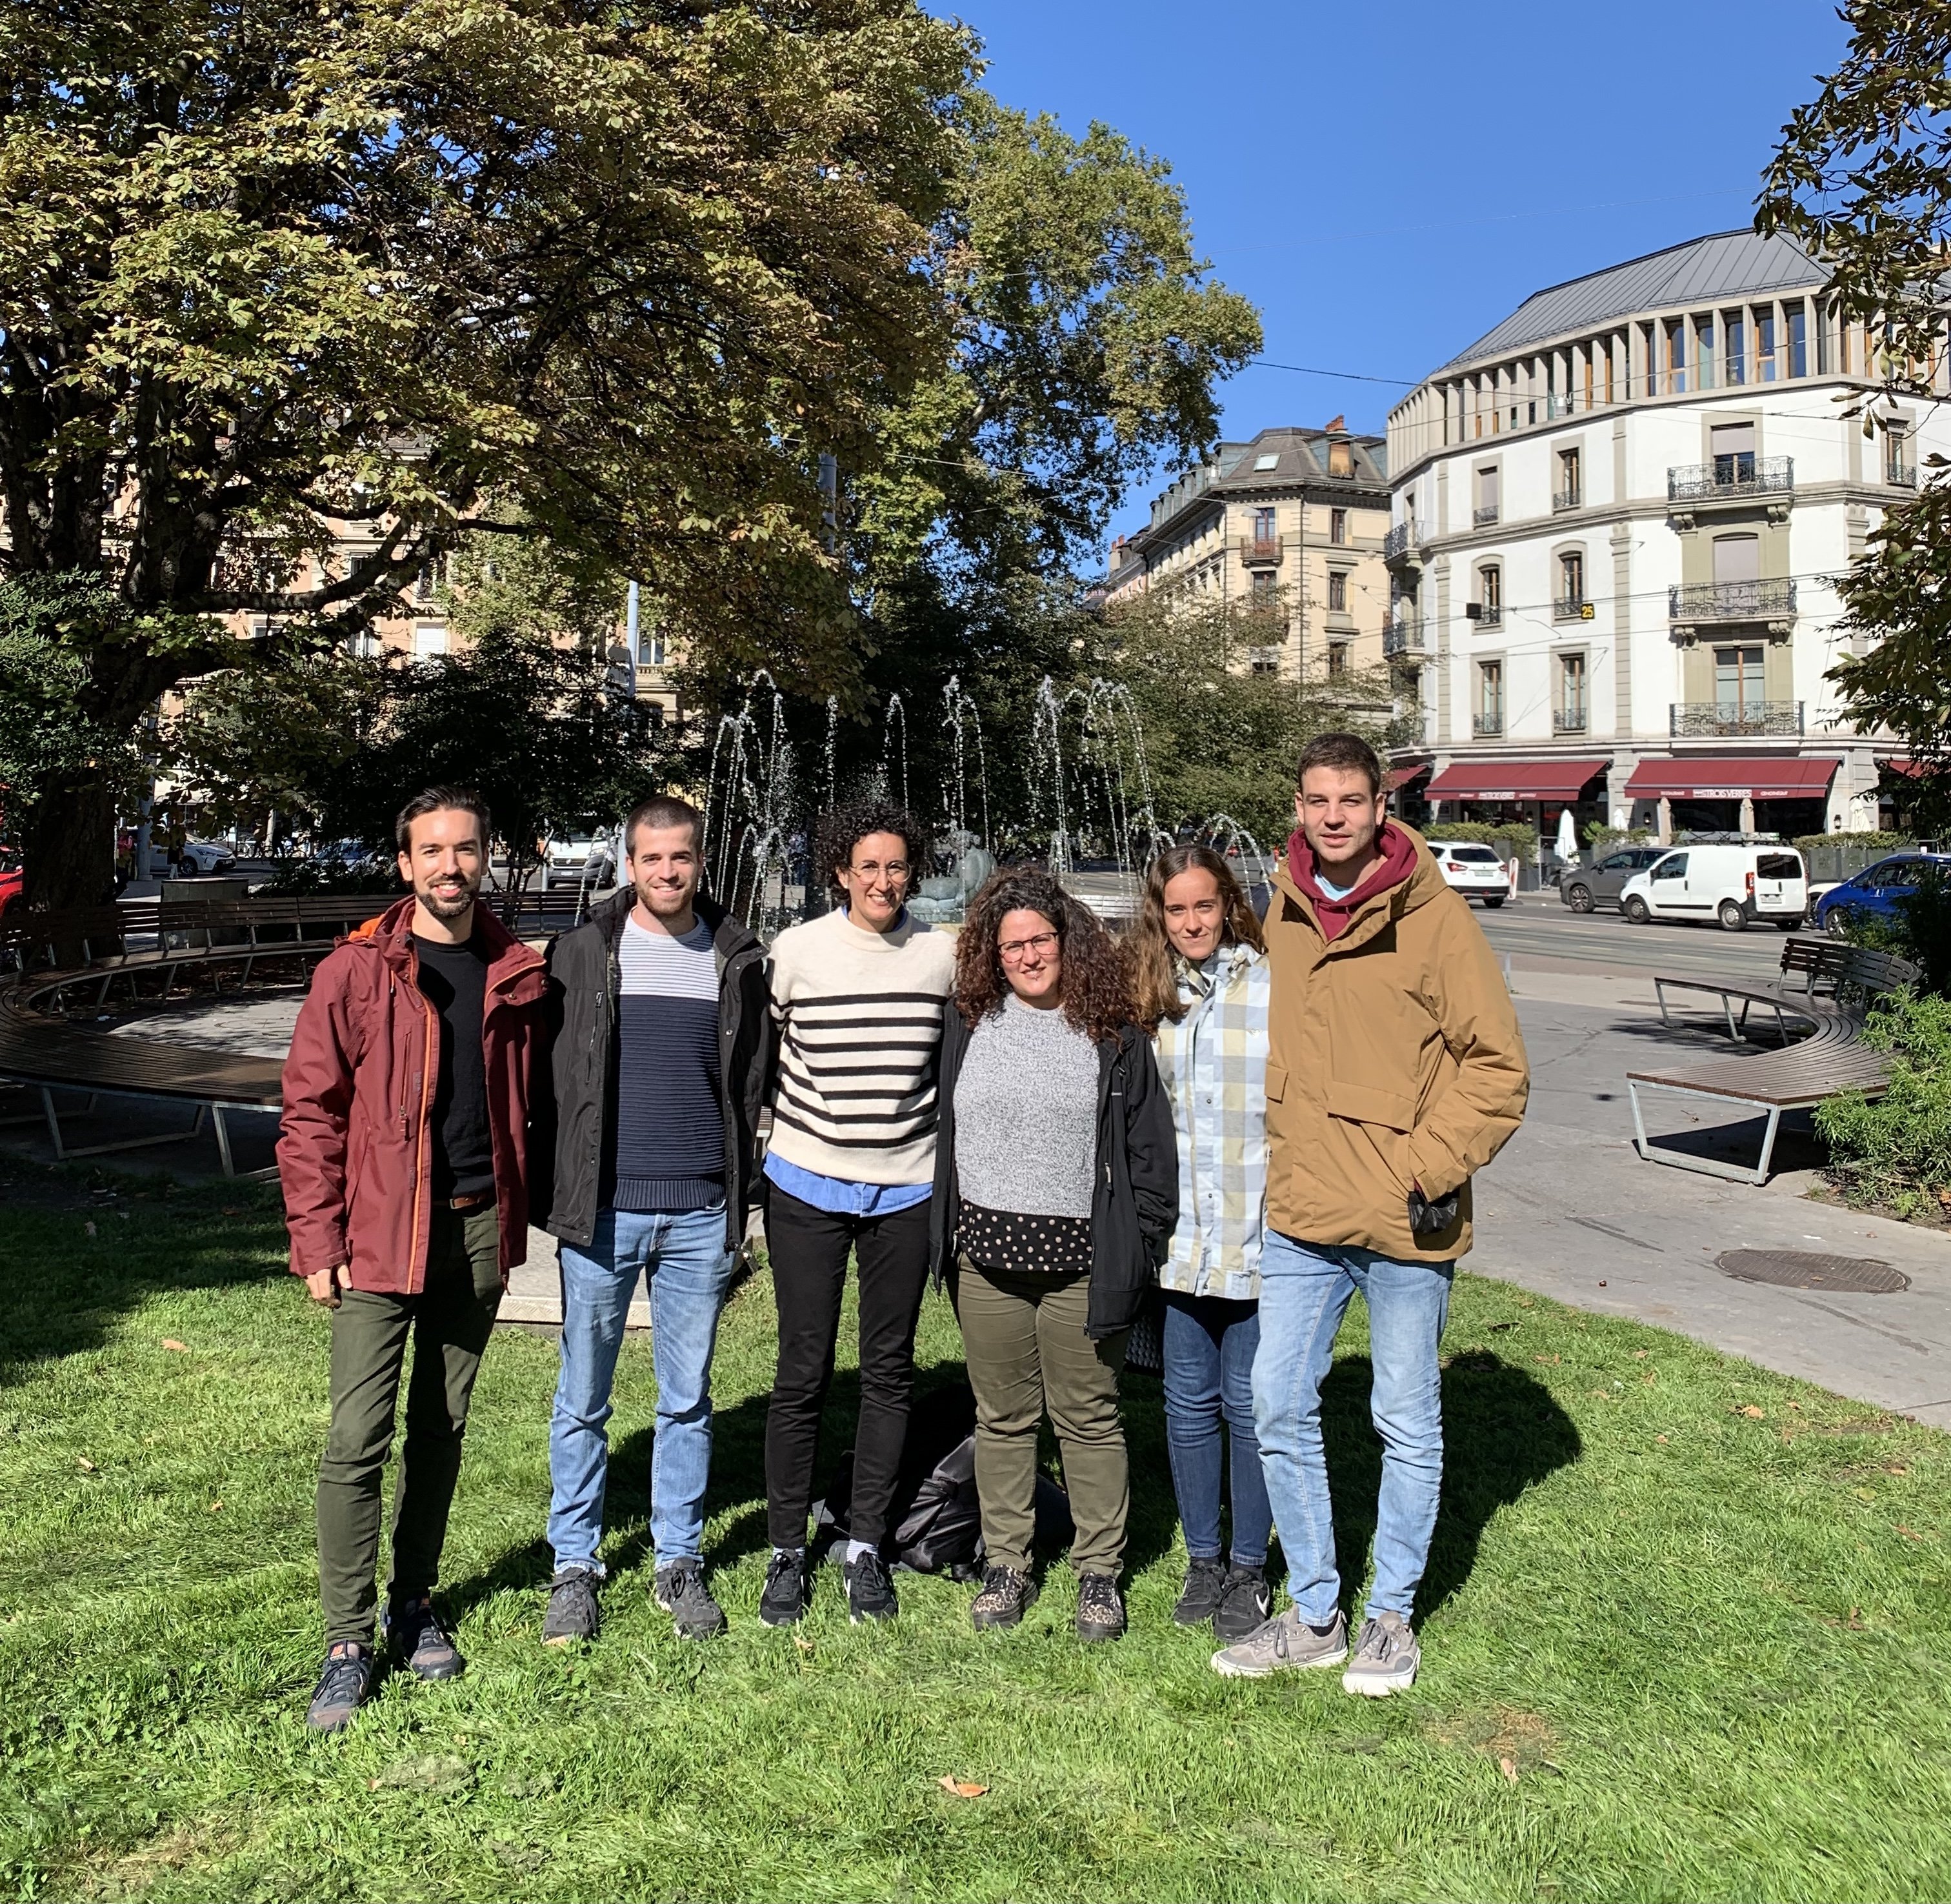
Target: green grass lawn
(1685,1636)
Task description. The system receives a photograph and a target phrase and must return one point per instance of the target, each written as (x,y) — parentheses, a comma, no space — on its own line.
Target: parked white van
(1733,884)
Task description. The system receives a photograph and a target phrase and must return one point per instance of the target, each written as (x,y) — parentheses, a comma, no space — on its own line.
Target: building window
(1703,351)
(1338,592)
(1571,715)
(1571,582)
(1338,659)
(1341,460)
(1736,330)
(1732,447)
(1265,661)
(1487,488)
(1490,716)
(1676,356)
(1490,583)
(1798,340)
(1338,526)
(1895,469)
(1737,683)
(1609,371)
(1570,491)
(1262,589)
(1263,525)
(1765,364)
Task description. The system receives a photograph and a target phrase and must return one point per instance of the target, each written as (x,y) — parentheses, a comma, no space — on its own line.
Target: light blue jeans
(1305,1289)
(688,1268)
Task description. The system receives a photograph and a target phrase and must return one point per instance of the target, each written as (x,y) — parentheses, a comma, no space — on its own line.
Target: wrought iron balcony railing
(1402,636)
(1728,478)
(1900,476)
(1564,499)
(1569,608)
(1568,720)
(1731,602)
(1734,719)
(1486,614)
(1488,727)
(1487,513)
(1260,551)
(1401,540)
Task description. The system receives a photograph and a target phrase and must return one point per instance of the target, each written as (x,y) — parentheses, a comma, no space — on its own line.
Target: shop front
(1736,794)
(1533,793)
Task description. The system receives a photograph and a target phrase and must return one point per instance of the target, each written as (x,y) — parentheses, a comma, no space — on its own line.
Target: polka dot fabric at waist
(1001,1239)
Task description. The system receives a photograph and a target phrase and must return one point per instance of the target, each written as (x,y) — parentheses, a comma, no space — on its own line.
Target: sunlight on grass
(1684,1636)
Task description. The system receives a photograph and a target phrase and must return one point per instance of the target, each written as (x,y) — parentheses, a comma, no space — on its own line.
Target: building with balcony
(1288,528)
(1615,520)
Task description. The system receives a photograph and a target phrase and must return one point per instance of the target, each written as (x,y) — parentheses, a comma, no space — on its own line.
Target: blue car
(1875,891)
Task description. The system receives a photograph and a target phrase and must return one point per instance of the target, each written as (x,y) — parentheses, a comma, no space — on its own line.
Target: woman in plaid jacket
(1201,980)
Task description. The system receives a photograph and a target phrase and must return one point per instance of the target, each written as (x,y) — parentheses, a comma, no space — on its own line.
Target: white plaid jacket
(1213,1063)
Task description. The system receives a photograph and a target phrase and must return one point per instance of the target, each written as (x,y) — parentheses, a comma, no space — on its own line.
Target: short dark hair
(435,800)
(842,828)
(663,809)
(1346,753)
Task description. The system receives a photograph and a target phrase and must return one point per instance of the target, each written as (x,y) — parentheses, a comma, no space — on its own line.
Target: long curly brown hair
(1154,979)
(1097,987)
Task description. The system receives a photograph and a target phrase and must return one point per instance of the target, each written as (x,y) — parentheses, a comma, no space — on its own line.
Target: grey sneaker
(679,1589)
(415,1636)
(1386,1658)
(342,1688)
(572,1614)
(1286,1643)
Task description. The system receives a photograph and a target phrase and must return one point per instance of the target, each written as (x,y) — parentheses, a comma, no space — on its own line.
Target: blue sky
(1386,181)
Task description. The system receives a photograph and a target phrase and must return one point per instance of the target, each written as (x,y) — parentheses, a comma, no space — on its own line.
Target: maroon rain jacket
(355,1148)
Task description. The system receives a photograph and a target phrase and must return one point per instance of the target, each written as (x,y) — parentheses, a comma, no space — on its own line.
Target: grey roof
(1301,456)
(1701,271)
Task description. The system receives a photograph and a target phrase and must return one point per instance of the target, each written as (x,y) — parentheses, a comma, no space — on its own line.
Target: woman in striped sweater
(859,996)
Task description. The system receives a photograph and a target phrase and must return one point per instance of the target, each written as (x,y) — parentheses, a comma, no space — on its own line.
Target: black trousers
(809,1250)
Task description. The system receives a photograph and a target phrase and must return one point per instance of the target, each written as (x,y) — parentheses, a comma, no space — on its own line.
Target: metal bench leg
(54,1123)
(1659,992)
(1768,1144)
(1707,1166)
(223,1141)
(1728,1007)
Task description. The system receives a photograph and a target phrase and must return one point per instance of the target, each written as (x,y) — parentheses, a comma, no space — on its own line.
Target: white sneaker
(1386,1658)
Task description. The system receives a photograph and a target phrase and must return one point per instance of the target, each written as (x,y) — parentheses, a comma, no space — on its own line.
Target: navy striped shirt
(669,1145)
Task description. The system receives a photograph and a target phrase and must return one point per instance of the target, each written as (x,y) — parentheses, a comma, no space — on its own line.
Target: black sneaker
(416,1639)
(1007,1595)
(1100,1608)
(870,1593)
(679,1589)
(1246,1602)
(783,1601)
(342,1687)
(572,1614)
(1199,1599)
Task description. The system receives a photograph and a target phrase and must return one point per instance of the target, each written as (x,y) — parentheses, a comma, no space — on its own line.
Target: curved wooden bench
(1831,1059)
(1827,968)
(41,1053)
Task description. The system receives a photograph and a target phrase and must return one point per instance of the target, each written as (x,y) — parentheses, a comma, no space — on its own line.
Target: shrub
(1869,842)
(1896,1151)
(1601,840)
(1513,839)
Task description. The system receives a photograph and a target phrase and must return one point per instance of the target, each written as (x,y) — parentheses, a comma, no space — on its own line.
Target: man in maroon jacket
(404,1156)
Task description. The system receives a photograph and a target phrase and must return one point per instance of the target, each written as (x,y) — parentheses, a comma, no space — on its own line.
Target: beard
(449,905)
(666,902)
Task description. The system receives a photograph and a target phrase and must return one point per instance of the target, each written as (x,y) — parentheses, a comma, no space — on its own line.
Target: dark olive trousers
(449,1322)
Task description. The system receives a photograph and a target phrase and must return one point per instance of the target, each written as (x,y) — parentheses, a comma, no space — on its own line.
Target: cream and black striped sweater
(859,1016)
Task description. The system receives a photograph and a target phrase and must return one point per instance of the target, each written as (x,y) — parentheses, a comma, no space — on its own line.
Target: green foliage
(1896,1151)
(1870,842)
(1513,839)
(1601,839)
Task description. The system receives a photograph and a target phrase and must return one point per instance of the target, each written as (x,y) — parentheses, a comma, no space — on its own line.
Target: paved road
(1537,931)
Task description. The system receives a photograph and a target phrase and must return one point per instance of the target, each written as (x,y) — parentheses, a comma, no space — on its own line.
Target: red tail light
(1751,885)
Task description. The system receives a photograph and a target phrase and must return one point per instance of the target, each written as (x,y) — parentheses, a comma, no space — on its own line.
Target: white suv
(1472,869)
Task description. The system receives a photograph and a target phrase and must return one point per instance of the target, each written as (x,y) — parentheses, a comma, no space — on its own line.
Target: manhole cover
(1812,1269)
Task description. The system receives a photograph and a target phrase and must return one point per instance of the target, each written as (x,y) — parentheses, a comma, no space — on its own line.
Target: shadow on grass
(1503,1434)
(85,1246)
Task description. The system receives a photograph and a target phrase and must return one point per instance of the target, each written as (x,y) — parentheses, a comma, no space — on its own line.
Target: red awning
(1401,777)
(1513,779)
(1707,778)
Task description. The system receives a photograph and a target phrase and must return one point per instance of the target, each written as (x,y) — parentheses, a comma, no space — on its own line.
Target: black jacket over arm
(1134,1207)
(576,1095)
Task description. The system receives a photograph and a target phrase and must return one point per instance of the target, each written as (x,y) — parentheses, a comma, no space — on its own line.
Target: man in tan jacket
(1395,1071)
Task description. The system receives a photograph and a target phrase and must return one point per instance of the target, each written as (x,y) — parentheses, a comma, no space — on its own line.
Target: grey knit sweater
(1026,1114)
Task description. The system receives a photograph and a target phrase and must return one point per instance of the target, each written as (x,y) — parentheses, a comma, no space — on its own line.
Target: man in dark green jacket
(663,1038)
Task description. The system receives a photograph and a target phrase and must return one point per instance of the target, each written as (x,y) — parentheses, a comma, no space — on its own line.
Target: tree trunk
(71,846)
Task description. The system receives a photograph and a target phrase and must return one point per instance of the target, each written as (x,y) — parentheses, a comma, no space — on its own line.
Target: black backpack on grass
(935,1521)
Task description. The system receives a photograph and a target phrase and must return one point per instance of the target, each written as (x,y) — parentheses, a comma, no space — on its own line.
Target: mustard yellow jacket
(1394,1059)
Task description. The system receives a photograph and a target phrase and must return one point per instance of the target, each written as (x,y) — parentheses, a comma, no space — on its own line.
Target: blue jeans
(688,1268)
(1210,1345)
(1304,1292)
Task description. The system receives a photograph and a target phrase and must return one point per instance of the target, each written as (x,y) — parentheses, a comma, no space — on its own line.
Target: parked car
(581,858)
(13,881)
(1874,893)
(1735,885)
(207,858)
(1586,888)
(1472,869)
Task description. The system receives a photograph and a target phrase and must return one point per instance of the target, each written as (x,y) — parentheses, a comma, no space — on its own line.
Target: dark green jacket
(576,1125)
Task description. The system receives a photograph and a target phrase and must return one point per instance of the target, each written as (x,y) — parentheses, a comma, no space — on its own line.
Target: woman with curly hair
(1056,1189)
(1202,982)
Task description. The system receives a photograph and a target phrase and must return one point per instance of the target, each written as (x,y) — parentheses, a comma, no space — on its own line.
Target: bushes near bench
(1897,1150)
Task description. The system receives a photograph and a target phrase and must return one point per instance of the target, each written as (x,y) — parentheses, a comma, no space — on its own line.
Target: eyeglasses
(1016,950)
(870,869)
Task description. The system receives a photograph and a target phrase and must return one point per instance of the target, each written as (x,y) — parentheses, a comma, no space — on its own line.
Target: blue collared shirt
(840,1196)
